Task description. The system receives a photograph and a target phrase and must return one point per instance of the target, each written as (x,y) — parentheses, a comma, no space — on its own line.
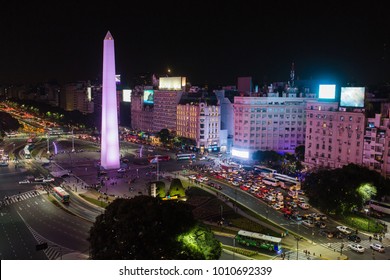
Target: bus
(158,158)
(288,182)
(259,240)
(270,181)
(185,156)
(381,207)
(264,171)
(61,194)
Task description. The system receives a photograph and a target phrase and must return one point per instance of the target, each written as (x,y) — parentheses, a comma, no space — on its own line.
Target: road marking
(28,205)
(36,202)
(20,208)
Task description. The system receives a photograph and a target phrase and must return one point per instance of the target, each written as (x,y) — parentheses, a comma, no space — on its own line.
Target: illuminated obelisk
(109,157)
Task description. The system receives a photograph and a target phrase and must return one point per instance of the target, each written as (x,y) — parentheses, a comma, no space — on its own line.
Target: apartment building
(334,135)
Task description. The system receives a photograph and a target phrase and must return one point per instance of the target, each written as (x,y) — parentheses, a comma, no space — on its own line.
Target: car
(192,177)
(323,216)
(344,229)
(304,205)
(121,170)
(377,247)
(338,234)
(276,206)
(326,233)
(354,238)
(39,179)
(296,217)
(308,223)
(26,181)
(48,179)
(320,224)
(356,247)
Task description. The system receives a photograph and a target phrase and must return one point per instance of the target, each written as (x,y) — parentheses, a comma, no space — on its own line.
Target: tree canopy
(146,228)
(8,123)
(345,189)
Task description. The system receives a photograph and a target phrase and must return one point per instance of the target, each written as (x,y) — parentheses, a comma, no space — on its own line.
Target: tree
(8,123)
(342,190)
(164,136)
(146,228)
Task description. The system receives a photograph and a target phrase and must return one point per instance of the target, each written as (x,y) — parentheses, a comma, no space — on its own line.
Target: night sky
(207,41)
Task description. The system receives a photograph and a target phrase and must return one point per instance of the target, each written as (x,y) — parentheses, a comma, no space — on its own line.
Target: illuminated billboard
(148,96)
(172,83)
(352,97)
(240,154)
(126,95)
(327,92)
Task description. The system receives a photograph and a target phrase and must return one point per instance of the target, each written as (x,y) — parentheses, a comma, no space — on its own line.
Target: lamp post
(298,239)
(72,140)
(48,151)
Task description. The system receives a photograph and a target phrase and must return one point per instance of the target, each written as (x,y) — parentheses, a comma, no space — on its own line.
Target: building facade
(165,109)
(376,151)
(200,122)
(77,96)
(269,123)
(334,136)
(142,115)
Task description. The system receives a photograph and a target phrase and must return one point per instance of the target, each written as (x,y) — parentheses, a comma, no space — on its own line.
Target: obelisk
(109,156)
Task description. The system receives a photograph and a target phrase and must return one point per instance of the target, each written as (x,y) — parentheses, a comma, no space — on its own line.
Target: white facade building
(268,123)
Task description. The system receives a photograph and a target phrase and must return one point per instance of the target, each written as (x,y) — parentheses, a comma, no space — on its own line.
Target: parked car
(354,238)
(344,229)
(121,170)
(377,247)
(356,247)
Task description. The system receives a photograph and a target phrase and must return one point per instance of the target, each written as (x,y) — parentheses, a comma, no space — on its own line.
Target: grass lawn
(363,223)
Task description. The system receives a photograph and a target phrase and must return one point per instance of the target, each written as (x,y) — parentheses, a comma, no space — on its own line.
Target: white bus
(271,181)
(378,206)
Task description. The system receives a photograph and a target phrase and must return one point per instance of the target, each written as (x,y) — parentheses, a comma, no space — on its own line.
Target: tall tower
(109,156)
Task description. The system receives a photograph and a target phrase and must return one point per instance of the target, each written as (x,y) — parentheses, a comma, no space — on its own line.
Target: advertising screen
(171,83)
(148,96)
(126,95)
(240,154)
(352,97)
(327,92)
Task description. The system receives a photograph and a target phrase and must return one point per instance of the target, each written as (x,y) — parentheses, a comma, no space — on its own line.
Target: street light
(298,239)
(72,141)
(48,151)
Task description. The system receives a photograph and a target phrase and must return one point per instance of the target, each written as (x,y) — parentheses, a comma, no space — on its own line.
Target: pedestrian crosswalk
(53,251)
(342,246)
(19,197)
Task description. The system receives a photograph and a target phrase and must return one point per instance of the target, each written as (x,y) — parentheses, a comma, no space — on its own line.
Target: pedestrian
(370,238)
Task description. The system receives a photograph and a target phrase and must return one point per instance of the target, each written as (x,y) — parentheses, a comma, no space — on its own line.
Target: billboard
(352,97)
(172,83)
(327,92)
(240,153)
(126,97)
(148,96)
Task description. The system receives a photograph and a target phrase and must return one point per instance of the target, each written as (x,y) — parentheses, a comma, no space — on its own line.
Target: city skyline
(214,43)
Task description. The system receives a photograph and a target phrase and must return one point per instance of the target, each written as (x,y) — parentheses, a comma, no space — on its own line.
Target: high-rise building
(268,123)
(200,122)
(141,111)
(334,135)
(77,96)
(110,157)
